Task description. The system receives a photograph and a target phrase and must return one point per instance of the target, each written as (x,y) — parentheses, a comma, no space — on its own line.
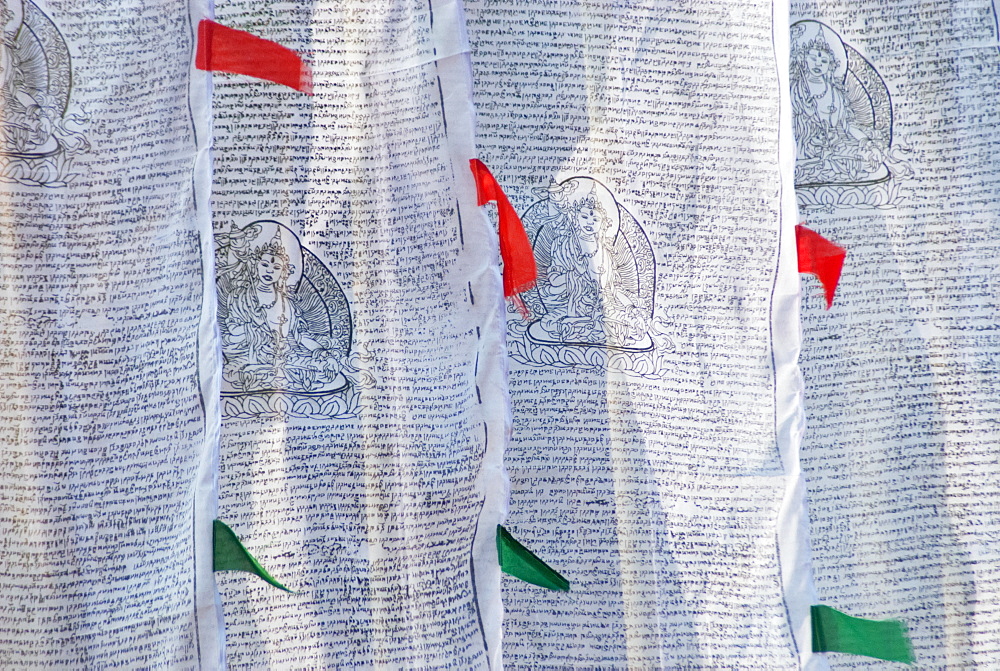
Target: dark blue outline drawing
(38,141)
(843,118)
(594,305)
(285,326)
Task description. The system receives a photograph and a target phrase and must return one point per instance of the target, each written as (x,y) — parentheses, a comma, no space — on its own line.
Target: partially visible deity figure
(832,141)
(284,321)
(37,138)
(594,303)
(842,116)
(596,268)
(262,323)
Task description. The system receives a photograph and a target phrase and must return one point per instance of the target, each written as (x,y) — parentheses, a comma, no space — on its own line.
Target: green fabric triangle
(230,555)
(518,561)
(833,631)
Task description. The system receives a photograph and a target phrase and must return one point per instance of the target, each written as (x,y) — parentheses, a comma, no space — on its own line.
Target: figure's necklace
(269,305)
(826,88)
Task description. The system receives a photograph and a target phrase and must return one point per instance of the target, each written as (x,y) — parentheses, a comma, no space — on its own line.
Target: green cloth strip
(520,562)
(833,631)
(230,555)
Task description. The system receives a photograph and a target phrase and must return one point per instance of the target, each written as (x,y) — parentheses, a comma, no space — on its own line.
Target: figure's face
(818,62)
(587,223)
(269,269)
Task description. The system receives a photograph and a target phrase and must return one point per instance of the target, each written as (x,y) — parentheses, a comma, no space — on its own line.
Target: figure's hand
(557,279)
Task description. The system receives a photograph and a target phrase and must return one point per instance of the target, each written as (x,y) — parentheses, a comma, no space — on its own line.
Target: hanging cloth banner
(820,257)
(224,49)
(519,271)
(520,562)
(230,555)
(833,631)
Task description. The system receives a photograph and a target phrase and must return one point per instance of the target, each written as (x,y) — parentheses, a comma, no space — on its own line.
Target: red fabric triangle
(820,257)
(519,270)
(224,49)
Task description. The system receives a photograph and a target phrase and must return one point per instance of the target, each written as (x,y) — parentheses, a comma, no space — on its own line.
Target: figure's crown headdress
(817,43)
(276,247)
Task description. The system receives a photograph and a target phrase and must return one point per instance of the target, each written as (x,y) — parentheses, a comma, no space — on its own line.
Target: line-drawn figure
(842,113)
(285,325)
(37,138)
(596,282)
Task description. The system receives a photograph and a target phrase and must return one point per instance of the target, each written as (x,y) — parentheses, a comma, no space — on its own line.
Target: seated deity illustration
(285,326)
(843,120)
(596,278)
(37,138)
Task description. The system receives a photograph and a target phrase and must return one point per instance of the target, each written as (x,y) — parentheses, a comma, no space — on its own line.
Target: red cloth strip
(519,271)
(820,257)
(224,49)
